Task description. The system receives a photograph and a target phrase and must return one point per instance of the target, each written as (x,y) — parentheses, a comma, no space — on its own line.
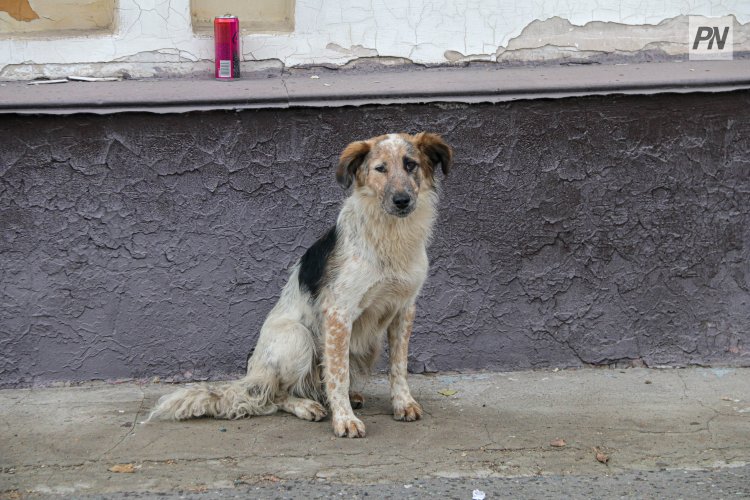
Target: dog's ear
(434,147)
(351,159)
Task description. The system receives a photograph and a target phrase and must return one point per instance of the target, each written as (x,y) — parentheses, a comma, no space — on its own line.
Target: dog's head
(394,168)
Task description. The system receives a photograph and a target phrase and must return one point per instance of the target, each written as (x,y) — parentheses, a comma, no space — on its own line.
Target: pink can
(227,47)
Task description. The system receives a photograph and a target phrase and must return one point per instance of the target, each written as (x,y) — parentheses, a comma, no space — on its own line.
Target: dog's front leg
(338,331)
(399,332)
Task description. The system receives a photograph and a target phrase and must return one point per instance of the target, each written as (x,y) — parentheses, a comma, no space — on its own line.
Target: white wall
(154,37)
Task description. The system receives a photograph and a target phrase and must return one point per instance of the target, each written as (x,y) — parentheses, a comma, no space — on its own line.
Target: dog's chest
(379,305)
(390,292)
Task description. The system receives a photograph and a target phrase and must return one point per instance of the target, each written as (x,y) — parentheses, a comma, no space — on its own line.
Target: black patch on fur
(313,263)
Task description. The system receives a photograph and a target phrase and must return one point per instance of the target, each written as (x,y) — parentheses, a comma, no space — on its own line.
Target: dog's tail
(242,398)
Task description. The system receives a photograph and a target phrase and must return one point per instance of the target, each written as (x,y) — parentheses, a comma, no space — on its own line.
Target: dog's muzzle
(403,204)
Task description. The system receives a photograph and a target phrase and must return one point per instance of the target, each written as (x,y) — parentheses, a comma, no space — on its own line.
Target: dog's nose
(401,200)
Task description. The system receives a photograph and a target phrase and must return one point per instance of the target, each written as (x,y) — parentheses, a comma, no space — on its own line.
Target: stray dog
(351,287)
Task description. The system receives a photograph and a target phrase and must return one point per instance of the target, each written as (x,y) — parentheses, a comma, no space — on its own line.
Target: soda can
(227,47)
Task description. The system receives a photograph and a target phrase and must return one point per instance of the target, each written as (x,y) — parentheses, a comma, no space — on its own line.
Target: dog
(353,287)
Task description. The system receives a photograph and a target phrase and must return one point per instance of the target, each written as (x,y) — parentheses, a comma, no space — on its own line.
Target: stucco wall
(156,38)
(573,231)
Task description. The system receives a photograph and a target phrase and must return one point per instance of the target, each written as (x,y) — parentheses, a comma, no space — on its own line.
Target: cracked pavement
(63,440)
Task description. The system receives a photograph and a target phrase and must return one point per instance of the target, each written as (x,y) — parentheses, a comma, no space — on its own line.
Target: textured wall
(574,231)
(156,38)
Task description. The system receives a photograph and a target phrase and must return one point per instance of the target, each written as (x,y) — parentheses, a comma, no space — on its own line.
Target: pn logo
(710,38)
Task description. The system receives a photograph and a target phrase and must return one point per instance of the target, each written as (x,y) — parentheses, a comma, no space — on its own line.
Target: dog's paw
(350,427)
(408,411)
(357,400)
(310,410)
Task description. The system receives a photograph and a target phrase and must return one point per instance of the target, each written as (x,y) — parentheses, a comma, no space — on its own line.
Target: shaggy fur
(352,288)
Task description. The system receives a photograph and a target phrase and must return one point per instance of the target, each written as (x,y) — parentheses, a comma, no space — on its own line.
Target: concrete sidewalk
(498,425)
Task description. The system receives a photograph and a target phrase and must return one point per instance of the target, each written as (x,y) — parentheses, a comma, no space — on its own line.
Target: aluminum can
(227,47)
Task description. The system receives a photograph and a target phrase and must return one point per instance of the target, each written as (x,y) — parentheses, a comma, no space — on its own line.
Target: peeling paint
(355,51)
(418,31)
(47,17)
(558,38)
(454,56)
(20,10)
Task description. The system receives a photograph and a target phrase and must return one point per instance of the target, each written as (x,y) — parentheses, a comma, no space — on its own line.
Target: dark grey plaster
(575,231)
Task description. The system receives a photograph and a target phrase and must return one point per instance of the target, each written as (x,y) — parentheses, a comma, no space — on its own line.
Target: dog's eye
(410,165)
(380,168)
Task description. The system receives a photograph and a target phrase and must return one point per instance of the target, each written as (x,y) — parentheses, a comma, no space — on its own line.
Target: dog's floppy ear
(434,147)
(351,159)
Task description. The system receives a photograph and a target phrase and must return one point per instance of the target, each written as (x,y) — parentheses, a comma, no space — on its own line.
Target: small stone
(123,468)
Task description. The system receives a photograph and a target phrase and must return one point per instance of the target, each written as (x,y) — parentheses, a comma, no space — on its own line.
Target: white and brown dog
(353,285)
